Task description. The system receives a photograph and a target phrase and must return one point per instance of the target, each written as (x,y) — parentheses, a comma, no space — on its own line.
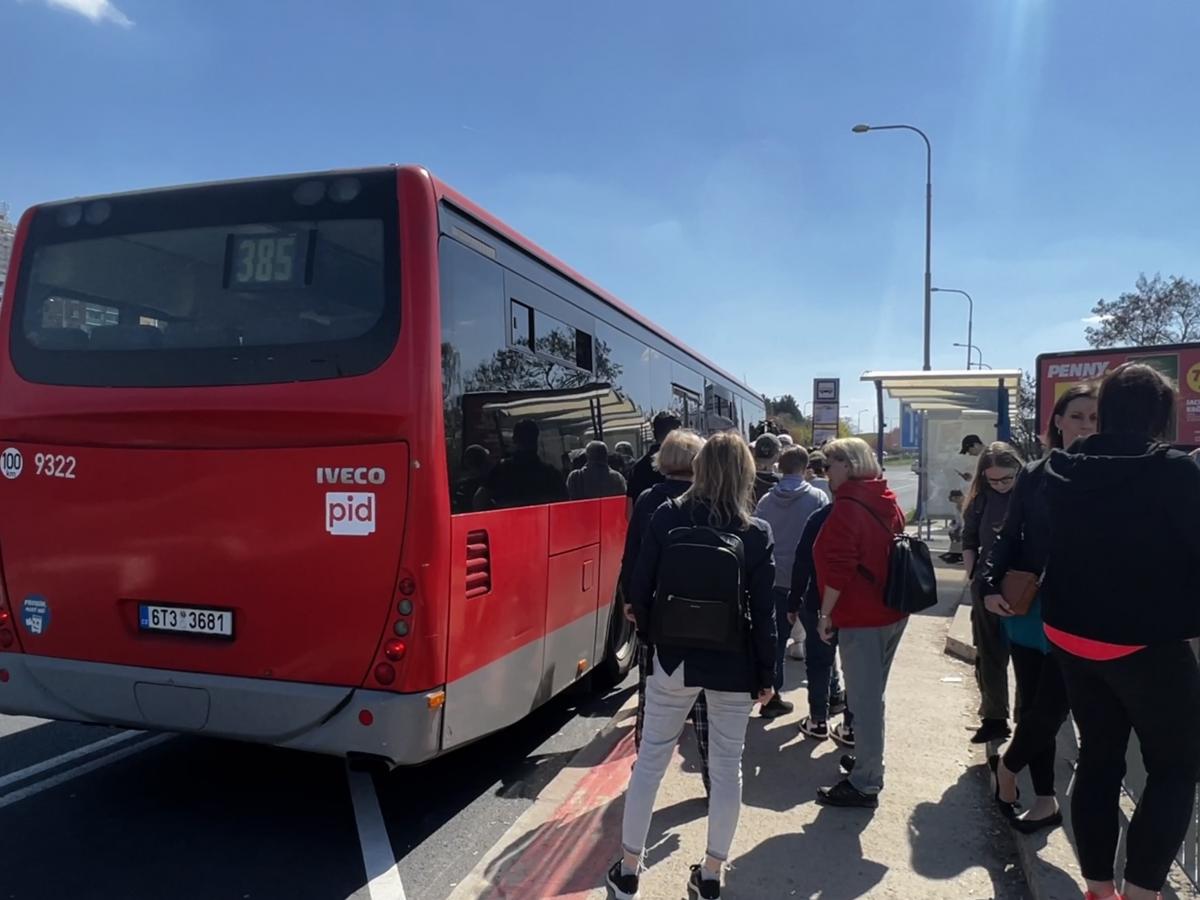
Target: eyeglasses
(1003,481)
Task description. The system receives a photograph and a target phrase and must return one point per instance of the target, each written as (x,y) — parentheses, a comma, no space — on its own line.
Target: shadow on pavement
(942,849)
(824,859)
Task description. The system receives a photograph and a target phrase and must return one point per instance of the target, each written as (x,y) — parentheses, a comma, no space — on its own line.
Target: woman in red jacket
(851,556)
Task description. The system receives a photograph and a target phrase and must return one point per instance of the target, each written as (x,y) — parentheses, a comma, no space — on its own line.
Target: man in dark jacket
(644,475)
(766,454)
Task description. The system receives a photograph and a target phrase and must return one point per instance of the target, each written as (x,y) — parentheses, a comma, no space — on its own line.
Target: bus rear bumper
(404,729)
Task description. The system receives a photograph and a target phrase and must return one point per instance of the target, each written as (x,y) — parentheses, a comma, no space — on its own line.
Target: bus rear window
(229,292)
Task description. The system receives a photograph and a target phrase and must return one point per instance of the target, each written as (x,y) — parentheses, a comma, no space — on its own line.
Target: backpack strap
(873,516)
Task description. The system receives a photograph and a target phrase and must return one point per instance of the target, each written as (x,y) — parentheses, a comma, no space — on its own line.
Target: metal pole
(970,318)
(879,407)
(863,129)
(928,242)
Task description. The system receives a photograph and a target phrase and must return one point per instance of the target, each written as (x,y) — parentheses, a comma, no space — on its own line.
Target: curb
(551,798)
(959,641)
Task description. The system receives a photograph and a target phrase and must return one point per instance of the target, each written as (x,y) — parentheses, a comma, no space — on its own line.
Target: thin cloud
(1094,320)
(96,11)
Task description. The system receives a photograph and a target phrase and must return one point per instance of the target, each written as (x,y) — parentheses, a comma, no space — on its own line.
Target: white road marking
(70,774)
(62,758)
(383,878)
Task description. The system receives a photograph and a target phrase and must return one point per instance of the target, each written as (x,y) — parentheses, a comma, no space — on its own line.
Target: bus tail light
(8,639)
(393,650)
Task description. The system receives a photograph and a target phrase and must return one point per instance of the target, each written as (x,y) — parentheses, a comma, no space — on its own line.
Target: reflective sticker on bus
(35,613)
(350,514)
(11,463)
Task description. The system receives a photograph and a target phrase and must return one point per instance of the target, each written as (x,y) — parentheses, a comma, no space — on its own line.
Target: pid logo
(350,514)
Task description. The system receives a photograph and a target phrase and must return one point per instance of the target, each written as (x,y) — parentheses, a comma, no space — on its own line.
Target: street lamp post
(860,414)
(971,347)
(970,317)
(863,129)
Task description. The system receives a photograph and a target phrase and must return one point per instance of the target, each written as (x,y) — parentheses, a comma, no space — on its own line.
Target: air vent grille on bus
(479,564)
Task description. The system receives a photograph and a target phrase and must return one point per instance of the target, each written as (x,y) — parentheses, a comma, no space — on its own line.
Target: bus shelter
(948,405)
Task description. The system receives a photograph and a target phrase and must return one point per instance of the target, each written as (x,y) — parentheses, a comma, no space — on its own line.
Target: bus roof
(445,192)
(449,194)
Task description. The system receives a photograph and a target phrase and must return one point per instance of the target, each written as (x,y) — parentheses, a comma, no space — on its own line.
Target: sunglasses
(1001,482)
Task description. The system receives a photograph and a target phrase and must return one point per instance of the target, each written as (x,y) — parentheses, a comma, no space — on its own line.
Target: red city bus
(283,461)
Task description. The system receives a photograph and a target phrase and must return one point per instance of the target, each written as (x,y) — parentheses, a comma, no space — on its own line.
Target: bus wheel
(621,648)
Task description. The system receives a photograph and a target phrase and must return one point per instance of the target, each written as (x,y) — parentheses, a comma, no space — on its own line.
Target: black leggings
(1156,694)
(1042,712)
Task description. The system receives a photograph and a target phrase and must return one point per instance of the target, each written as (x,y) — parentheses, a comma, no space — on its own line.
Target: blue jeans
(784,629)
(819,658)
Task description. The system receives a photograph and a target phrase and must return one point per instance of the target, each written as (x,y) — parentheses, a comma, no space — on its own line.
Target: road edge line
(374,842)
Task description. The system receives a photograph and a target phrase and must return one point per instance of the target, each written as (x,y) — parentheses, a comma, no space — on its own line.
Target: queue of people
(728,547)
(731,546)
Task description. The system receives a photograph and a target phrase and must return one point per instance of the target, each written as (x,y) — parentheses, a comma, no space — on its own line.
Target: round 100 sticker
(11,462)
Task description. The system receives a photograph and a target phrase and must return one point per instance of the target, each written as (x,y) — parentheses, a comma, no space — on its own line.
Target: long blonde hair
(724,480)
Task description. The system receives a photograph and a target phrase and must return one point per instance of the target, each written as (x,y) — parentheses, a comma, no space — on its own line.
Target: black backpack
(700,600)
(911,585)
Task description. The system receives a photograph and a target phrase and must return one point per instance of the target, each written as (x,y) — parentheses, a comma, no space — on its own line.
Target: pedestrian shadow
(778,747)
(961,831)
(825,858)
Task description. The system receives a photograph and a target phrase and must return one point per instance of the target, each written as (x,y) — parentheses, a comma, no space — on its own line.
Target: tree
(785,405)
(1157,311)
(515,369)
(1022,419)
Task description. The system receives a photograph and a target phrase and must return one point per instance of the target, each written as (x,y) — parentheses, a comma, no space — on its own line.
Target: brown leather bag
(1019,590)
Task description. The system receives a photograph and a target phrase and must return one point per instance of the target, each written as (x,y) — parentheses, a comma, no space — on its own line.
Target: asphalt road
(91,812)
(903,481)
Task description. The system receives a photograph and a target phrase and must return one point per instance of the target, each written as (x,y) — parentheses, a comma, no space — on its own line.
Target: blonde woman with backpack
(702,590)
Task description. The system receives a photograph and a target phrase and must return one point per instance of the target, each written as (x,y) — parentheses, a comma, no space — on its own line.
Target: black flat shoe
(1033,826)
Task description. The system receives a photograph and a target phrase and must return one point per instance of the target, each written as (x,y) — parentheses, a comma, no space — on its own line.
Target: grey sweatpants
(867,655)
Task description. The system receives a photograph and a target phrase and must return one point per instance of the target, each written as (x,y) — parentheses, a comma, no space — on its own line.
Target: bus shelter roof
(947,389)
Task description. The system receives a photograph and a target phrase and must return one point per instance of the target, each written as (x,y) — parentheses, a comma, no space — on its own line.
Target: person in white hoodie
(786,507)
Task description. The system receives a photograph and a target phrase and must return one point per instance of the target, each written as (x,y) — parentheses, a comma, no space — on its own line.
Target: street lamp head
(861,129)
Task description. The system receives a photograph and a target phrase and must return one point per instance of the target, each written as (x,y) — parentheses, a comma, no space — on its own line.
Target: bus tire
(620,647)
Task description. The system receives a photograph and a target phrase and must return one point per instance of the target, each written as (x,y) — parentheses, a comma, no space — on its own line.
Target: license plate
(186,620)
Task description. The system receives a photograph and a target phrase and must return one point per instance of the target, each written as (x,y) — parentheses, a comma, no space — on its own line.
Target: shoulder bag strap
(873,516)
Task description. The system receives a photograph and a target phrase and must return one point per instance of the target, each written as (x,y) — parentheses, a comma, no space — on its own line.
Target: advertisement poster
(1180,363)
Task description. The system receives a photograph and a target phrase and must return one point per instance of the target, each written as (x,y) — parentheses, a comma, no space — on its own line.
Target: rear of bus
(214,414)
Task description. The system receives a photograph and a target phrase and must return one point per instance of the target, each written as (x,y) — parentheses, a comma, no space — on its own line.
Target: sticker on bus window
(350,514)
(35,614)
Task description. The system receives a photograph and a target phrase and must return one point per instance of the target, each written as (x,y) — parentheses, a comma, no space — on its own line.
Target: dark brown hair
(999,455)
(1054,435)
(793,461)
(1136,400)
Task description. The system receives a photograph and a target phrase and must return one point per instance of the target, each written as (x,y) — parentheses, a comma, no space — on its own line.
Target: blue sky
(692,157)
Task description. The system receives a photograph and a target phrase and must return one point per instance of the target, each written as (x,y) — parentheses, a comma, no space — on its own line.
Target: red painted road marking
(565,857)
